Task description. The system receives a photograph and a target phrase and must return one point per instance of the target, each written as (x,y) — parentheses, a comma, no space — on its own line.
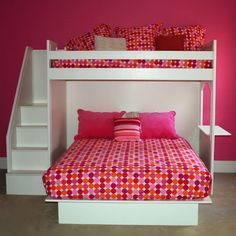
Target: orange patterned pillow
(87,41)
(194,35)
(139,38)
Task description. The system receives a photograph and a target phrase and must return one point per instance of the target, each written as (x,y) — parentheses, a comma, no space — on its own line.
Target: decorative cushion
(127,129)
(131,114)
(158,125)
(96,124)
(139,38)
(76,44)
(107,43)
(87,41)
(194,35)
(170,42)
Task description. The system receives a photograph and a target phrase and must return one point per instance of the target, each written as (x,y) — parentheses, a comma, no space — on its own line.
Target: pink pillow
(139,38)
(158,125)
(96,124)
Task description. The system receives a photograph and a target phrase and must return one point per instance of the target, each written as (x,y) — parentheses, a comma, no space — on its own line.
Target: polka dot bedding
(153,169)
(125,63)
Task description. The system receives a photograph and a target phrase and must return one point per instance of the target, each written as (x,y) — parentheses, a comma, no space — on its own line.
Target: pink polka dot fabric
(103,169)
(122,63)
(139,38)
(87,41)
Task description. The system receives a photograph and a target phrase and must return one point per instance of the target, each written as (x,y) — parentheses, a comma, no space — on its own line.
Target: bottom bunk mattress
(153,169)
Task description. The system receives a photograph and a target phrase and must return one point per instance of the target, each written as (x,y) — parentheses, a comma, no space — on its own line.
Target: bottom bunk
(151,182)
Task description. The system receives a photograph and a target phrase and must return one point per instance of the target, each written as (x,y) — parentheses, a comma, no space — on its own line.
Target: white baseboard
(3,163)
(225,166)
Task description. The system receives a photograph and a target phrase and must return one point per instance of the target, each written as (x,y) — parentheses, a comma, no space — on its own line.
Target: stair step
(35,104)
(27,172)
(25,182)
(34,114)
(30,149)
(31,136)
(30,158)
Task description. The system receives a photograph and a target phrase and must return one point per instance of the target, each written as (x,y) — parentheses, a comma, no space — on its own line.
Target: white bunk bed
(129,212)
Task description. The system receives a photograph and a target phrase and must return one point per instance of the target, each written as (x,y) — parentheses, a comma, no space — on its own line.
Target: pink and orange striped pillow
(127,129)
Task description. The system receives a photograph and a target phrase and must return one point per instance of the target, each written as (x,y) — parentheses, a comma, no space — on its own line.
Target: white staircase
(27,138)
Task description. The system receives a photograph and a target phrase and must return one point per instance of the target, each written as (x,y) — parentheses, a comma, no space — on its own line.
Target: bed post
(208,132)
(213,110)
(51,46)
(202,86)
(56,111)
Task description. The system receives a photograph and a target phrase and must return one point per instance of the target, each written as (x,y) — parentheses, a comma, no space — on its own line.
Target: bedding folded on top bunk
(153,169)
(128,63)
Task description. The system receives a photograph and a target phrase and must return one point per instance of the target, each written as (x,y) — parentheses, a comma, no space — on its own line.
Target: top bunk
(132,65)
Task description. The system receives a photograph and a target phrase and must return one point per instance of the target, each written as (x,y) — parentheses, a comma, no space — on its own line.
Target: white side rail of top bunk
(151,74)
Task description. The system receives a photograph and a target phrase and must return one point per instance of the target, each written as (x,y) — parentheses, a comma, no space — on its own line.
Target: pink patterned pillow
(139,38)
(194,35)
(127,129)
(158,125)
(76,44)
(96,124)
(87,41)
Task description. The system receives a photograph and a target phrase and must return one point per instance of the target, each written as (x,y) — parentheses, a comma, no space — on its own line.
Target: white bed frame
(129,212)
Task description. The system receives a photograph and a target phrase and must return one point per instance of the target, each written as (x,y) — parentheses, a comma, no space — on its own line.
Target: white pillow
(131,114)
(109,44)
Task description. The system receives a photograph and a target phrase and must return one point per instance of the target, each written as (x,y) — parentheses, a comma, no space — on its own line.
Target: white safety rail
(170,74)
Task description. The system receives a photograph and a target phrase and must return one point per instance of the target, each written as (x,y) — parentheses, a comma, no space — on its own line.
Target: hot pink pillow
(158,125)
(96,124)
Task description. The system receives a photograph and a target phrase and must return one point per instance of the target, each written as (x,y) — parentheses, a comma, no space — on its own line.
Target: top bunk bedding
(104,169)
(153,37)
(129,63)
(143,53)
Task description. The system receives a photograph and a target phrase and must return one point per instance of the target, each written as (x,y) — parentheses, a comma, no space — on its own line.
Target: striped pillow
(127,129)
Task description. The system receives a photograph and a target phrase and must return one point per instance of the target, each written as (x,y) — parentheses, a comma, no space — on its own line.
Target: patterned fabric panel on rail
(102,63)
(153,169)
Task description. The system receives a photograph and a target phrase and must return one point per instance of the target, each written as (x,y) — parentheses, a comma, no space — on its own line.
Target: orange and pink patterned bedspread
(154,169)
(125,63)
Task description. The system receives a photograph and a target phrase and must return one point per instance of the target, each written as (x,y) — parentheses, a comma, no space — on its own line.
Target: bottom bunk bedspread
(153,169)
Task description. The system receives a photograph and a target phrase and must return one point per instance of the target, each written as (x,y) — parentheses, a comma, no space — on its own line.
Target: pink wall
(30,23)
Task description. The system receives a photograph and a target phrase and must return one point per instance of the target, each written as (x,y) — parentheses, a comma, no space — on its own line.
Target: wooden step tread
(30,148)
(26,172)
(32,126)
(34,105)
